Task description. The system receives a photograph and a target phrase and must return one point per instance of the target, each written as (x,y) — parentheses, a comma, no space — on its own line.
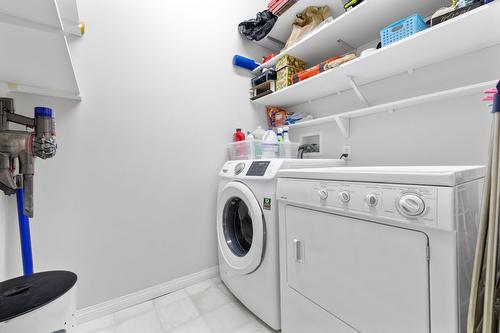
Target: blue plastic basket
(402,29)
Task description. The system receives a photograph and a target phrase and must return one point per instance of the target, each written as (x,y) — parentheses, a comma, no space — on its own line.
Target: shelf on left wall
(37,58)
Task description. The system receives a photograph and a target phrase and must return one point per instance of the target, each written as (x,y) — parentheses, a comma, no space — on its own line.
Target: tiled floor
(207,307)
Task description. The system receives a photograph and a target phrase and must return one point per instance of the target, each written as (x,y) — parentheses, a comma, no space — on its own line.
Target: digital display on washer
(258,168)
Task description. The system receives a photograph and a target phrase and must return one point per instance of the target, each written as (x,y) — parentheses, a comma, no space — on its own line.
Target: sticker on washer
(267,203)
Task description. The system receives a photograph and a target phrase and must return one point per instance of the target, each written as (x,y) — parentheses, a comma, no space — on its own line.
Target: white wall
(129,200)
(454,131)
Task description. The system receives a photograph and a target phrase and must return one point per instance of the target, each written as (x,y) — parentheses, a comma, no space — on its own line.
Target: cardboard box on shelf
(310,72)
(287,66)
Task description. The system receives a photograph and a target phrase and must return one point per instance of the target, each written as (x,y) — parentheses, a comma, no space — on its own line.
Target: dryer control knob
(411,205)
(371,200)
(323,193)
(345,197)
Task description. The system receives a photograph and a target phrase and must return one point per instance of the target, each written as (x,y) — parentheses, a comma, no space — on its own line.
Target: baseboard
(120,303)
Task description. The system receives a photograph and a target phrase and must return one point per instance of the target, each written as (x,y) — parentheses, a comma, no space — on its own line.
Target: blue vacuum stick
(24,233)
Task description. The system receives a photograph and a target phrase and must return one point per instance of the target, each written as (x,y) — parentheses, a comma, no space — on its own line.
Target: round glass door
(240,228)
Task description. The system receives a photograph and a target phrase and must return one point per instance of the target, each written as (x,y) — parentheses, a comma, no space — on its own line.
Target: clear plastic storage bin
(256,150)
(289,149)
(245,150)
(270,150)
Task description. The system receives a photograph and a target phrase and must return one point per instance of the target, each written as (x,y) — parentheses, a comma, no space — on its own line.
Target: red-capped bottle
(238,135)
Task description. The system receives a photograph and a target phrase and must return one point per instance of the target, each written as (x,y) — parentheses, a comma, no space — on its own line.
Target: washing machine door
(240,228)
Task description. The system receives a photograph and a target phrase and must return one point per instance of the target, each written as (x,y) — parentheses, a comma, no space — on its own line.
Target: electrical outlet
(347,150)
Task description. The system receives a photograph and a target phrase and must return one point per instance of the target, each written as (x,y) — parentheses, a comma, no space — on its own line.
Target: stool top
(24,294)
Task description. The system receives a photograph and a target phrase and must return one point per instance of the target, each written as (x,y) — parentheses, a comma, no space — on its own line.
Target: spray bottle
(286,137)
(251,146)
(280,134)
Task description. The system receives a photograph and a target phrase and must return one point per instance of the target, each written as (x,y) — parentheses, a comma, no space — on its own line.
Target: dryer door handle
(299,250)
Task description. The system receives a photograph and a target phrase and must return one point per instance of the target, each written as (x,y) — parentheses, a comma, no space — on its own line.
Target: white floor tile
(144,323)
(177,313)
(206,307)
(210,299)
(197,326)
(133,311)
(168,299)
(96,325)
(227,318)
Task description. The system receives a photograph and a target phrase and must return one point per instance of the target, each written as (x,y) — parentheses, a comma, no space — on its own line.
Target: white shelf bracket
(344,125)
(346,46)
(357,91)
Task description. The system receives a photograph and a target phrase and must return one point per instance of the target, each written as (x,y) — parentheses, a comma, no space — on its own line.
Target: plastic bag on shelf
(259,27)
(306,22)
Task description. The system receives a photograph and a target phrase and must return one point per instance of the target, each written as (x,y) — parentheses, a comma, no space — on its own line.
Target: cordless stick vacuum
(38,140)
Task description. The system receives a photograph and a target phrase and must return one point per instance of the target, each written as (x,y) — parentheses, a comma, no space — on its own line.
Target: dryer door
(240,228)
(370,276)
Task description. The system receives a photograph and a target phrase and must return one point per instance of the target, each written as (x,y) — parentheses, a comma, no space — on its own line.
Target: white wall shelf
(6,87)
(356,27)
(343,119)
(36,59)
(70,18)
(47,15)
(470,32)
(43,12)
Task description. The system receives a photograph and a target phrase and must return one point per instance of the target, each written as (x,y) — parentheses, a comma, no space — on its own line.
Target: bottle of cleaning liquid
(286,148)
(251,146)
(286,137)
(280,134)
(258,134)
(269,145)
(238,135)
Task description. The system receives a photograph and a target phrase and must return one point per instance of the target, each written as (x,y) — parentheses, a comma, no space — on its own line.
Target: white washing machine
(377,250)
(247,231)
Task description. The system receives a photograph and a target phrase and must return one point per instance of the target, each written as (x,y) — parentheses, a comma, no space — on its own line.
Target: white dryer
(247,231)
(378,250)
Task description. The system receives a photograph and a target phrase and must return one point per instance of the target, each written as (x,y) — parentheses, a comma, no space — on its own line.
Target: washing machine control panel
(251,169)
(258,168)
(416,204)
